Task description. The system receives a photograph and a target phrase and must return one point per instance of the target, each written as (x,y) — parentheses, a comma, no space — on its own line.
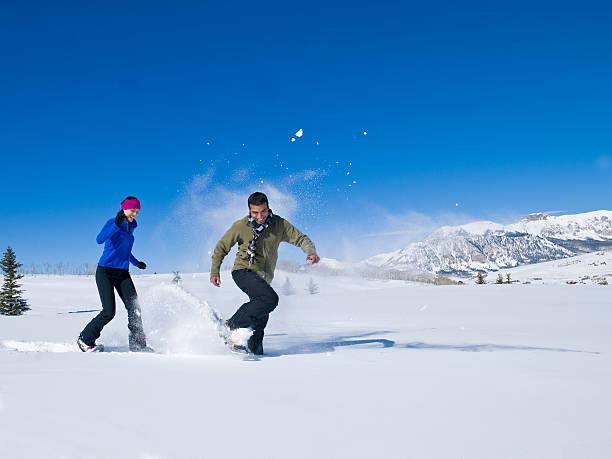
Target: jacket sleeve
(133,260)
(107,231)
(294,236)
(225,244)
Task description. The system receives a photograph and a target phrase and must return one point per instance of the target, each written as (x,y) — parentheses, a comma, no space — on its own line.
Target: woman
(113,273)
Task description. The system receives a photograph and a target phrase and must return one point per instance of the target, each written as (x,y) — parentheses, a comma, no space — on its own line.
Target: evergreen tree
(480,279)
(11,302)
(312,288)
(500,279)
(508,281)
(177,278)
(287,288)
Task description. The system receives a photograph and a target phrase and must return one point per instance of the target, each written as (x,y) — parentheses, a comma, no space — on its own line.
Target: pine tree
(287,288)
(312,288)
(177,278)
(508,281)
(480,279)
(11,302)
(500,279)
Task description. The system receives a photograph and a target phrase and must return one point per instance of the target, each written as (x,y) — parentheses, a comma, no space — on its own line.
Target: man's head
(258,207)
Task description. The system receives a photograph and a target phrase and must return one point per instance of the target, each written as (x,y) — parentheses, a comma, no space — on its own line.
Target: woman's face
(130,214)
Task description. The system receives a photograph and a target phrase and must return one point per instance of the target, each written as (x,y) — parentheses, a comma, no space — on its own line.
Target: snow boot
(87,348)
(255,346)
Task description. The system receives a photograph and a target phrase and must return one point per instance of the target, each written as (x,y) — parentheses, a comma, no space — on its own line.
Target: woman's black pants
(108,279)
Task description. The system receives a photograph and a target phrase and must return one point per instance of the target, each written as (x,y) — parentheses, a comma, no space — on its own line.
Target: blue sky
(502,109)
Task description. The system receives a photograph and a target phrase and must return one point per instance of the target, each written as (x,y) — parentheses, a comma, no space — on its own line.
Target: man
(258,236)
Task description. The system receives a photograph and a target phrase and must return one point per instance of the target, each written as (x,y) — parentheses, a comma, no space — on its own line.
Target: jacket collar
(133,225)
(248,223)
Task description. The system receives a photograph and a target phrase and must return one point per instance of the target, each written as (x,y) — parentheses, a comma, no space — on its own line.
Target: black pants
(108,279)
(255,313)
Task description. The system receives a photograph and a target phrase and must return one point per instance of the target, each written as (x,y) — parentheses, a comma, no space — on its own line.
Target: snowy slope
(592,269)
(487,246)
(464,253)
(590,225)
(363,369)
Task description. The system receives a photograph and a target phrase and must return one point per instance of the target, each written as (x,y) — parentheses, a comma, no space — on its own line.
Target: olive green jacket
(266,252)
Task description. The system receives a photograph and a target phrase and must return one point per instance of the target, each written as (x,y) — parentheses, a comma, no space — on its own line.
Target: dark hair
(257,199)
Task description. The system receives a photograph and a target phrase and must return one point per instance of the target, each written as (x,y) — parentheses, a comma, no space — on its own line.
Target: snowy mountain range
(488,246)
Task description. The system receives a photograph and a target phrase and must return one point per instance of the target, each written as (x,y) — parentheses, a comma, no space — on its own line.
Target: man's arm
(294,236)
(222,248)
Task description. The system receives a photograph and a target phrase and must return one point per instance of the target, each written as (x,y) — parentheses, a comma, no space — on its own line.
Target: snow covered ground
(361,369)
(591,268)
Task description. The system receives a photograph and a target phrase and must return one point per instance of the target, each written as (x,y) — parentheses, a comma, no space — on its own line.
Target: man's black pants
(108,279)
(255,313)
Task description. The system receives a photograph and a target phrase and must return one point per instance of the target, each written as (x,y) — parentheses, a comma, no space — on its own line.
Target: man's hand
(216,281)
(313,259)
(142,265)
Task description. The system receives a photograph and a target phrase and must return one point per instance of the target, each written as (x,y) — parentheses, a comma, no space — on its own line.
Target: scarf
(257,231)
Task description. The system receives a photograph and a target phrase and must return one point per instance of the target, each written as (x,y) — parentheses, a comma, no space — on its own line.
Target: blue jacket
(118,244)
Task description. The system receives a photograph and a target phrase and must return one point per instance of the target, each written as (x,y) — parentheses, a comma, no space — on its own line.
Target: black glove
(142,265)
(119,218)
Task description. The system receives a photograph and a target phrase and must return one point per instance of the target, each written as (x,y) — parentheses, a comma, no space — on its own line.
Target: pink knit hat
(130,204)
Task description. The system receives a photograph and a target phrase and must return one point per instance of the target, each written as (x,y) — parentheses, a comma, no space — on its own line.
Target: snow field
(591,269)
(361,369)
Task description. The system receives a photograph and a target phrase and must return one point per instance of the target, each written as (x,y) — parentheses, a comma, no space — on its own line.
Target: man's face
(259,213)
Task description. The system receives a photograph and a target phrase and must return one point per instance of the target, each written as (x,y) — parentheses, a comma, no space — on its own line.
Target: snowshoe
(238,348)
(237,340)
(145,349)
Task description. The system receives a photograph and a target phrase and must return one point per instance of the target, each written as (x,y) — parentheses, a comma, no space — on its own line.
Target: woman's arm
(133,260)
(107,231)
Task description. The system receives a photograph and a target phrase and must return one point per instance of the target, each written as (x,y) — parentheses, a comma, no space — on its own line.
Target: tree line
(59,269)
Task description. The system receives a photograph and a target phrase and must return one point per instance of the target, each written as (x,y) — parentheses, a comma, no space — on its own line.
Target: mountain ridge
(485,246)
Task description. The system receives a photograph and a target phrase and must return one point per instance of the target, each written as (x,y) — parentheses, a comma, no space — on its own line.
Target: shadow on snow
(484,347)
(332,343)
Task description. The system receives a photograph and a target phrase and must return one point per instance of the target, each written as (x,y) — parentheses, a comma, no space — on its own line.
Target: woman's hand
(142,265)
